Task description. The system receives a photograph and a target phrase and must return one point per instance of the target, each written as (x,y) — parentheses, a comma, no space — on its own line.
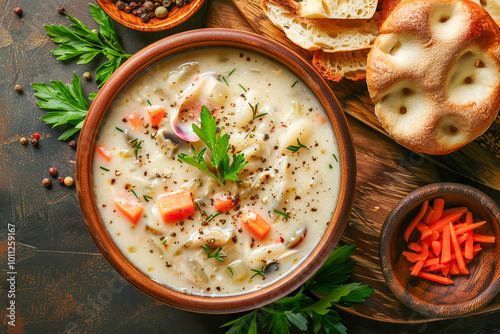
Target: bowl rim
(195,6)
(120,80)
(388,228)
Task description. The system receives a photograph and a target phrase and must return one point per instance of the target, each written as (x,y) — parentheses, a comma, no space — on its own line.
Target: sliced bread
(329,35)
(337,9)
(335,66)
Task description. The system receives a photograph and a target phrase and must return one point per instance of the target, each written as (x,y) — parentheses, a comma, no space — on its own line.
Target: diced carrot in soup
(104,153)
(130,208)
(135,121)
(223,203)
(176,205)
(255,224)
(156,114)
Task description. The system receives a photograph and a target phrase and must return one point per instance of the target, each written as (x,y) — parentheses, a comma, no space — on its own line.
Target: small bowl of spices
(150,15)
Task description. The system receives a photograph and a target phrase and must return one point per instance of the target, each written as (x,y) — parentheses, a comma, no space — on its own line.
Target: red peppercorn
(53,171)
(36,136)
(18,11)
(127,9)
(60,10)
(60,179)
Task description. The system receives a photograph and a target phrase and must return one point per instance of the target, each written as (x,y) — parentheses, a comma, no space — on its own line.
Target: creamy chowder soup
(235,210)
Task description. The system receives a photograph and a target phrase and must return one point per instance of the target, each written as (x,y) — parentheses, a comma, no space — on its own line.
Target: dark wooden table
(62,283)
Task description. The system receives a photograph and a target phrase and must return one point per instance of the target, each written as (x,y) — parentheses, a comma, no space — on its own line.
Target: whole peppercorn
(161,12)
(72,144)
(53,171)
(127,9)
(18,88)
(148,6)
(144,17)
(34,142)
(87,75)
(133,5)
(68,181)
(46,182)
(60,179)
(18,11)
(60,10)
(120,4)
(23,141)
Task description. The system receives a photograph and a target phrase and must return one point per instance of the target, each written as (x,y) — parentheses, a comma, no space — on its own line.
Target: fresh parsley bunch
(301,309)
(67,102)
(86,44)
(219,147)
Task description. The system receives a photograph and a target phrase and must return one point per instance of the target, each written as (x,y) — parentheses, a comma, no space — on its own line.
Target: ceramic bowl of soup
(216,171)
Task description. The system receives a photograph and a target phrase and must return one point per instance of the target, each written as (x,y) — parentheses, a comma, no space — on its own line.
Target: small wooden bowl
(470,292)
(122,78)
(175,17)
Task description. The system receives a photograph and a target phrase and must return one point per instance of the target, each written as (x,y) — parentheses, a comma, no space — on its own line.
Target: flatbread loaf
(328,35)
(334,9)
(434,74)
(335,66)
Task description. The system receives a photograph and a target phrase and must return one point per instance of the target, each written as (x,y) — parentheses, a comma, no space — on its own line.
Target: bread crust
(433,74)
(336,66)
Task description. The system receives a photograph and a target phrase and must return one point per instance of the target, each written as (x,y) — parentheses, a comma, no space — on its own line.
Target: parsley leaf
(67,103)
(86,44)
(296,148)
(300,310)
(216,254)
(219,147)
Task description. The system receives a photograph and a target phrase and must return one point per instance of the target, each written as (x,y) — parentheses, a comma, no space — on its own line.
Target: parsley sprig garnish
(219,147)
(296,148)
(301,309)
(86,44)
(137,146)
(216,254)
(67,103)
(255,110)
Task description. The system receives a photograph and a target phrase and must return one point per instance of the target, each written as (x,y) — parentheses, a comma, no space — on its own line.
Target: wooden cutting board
(479,160)
(382,165)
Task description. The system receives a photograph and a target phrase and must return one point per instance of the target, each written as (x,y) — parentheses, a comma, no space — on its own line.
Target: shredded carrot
(428,214)
(424,229)
(412,257)
(416,220)
(460,209)
(425,251)
(417,267)
(446,246)
(104,153)
(435,278)
(415,247)
(454,268)
(458,251)
(443,222)
(436,247)
(437,210)
(461,239)
(470,227)
(483,238)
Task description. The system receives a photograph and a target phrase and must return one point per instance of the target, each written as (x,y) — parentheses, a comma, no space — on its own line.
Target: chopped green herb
(213,216)
(331,167)
(242,87)
(149,103)
(137,147)
(147,198)
(225,169)
(225,80)
(117,128)
(164,241)
(296,82)
(335,157)
(229,268)
(284,214)
(258,272)
(131,141)
(133,192)
(215,254)
(296,148)
(234,69)
(255,109)
(107,170)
